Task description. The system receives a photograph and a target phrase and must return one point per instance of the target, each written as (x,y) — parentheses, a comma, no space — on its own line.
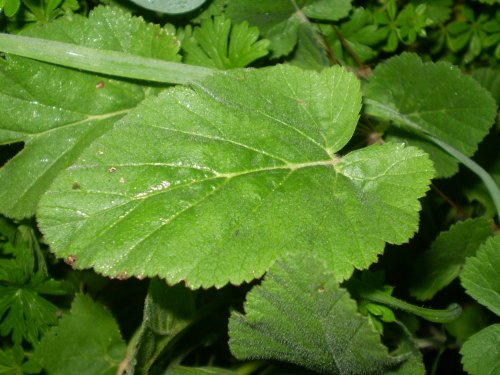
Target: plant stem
(346,45)
(459,210)
(436,316)
(368,293)
(102,61)
(474,167)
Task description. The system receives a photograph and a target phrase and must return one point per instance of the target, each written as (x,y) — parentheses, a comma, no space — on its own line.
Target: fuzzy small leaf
(300,315)
(86,341)
(212,183)
(279,20)
(57,111)
(442,263)
(480,352)
(218,44)
(407,347)
(481,275)
(437,99)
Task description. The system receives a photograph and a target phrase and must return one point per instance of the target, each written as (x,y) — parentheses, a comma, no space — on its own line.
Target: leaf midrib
(216,175)
(292,167)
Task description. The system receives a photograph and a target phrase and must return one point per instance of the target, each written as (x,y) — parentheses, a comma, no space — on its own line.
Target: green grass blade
(102,61)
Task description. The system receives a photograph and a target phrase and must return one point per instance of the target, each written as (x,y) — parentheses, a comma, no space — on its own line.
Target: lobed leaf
(86,341)
(24,313)
(219,44)
(212,183)
(434,98)
(13,362)
(57,112)
(442,263)
(300,315)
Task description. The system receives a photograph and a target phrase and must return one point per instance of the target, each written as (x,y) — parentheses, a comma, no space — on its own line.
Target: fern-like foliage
(218,43)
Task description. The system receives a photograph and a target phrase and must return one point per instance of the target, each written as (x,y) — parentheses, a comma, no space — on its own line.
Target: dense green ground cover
(249,187)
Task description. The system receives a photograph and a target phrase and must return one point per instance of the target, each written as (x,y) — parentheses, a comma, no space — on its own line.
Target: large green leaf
(435,98)
(480,352)
(210,184)
(87,341)
(56,111)
(442,263)
(280,20)
(481,275)
(300,315)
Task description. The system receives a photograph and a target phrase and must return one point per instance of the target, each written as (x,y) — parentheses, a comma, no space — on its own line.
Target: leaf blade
(480,276)
(231,162)
(89,330)
(480,352)
(44,106)
(431,98)
(442,263)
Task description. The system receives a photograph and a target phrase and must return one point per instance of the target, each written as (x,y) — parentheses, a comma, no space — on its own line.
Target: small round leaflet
(170,6)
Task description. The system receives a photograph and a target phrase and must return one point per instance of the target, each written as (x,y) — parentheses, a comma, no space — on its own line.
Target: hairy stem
(102,61)
(368,293)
